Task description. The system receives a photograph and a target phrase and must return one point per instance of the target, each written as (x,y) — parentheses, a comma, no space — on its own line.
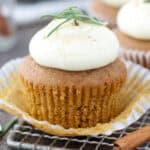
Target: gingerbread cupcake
(133,31)
(107,10)
(73,75)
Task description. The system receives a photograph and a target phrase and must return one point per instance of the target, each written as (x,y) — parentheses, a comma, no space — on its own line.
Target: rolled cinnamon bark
(134,139)
(4,30)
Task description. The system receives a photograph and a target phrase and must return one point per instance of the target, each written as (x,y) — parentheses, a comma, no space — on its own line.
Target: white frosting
(74,48)
(134,19)
(115,3)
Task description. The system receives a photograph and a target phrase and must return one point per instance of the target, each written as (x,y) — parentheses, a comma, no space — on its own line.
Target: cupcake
(133,31)
(73,75)
(107,10)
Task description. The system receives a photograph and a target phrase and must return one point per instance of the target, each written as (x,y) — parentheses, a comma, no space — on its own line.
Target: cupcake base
(73,99)
(134,92)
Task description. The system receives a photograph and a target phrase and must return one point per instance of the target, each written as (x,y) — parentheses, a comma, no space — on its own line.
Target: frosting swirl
(134,19)
(115,3)
(74,48)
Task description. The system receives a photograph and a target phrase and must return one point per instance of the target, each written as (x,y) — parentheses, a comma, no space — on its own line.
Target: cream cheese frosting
(134,19)
(74,48)
(115,3)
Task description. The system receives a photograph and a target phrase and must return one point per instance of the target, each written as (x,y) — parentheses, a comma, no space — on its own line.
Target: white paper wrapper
(139,57)
(138,81)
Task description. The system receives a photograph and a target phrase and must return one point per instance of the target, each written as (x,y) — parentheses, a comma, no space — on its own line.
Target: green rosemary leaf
(77,15)
(7,126)
(48,16)
(69,12)
(63,22)
(91,20)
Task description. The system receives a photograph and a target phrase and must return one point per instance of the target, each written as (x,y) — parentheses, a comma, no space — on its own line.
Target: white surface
(134,19)
(115,3)
(74,48)
(29,13)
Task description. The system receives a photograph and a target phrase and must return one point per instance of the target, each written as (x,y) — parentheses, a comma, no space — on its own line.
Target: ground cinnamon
(133,140)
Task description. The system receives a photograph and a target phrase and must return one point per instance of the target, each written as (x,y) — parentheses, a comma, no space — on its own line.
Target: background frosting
(74,48)
(134,19)
(115,3)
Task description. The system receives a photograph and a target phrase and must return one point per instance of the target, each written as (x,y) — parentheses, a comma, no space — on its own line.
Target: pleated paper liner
(136,56)
(136,93)
(73,105)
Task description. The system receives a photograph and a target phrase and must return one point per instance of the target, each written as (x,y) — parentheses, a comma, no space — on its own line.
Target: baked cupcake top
(76,45)
(134,19)
(115,3)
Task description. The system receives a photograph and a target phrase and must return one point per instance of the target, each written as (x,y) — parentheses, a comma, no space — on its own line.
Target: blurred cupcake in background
(107,10)
(7,25)
(133,31)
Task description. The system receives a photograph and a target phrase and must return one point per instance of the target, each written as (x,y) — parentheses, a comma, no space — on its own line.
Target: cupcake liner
(139,57)
(73,106)
(136,91)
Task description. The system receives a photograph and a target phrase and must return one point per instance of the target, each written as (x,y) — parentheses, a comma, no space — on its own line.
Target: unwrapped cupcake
(107,10)
(133,31)
(73,75)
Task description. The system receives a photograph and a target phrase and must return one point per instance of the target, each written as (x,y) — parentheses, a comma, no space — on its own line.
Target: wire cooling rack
(24,136)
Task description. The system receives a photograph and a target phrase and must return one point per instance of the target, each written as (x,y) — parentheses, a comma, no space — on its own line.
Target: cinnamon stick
(134,139)
(4,30)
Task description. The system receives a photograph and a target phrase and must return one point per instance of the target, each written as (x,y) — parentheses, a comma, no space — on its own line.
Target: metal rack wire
(24,136)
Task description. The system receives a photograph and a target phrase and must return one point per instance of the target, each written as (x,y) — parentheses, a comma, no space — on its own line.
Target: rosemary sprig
(77,15)
(7,126)
(59,26)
